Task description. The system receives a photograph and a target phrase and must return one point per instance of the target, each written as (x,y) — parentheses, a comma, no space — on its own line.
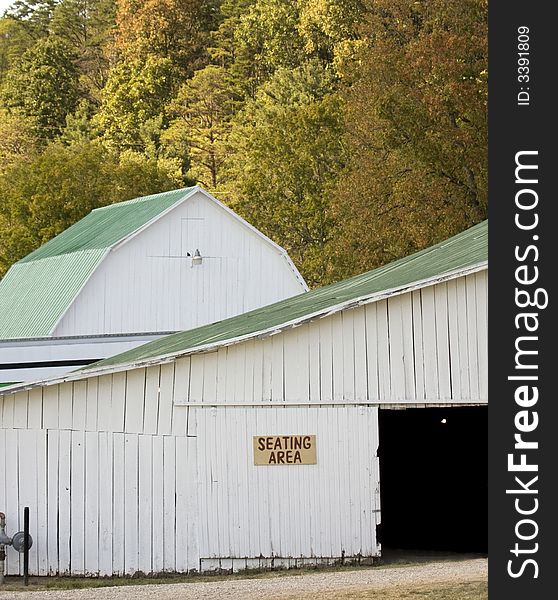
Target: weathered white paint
(148,284)
(166,449)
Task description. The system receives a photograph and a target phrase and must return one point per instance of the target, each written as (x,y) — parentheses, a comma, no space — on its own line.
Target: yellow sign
(285,450)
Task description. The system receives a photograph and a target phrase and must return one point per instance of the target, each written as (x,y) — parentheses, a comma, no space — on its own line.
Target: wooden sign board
(285,450)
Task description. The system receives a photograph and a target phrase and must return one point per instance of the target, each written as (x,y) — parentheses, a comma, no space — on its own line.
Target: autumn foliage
(352,132)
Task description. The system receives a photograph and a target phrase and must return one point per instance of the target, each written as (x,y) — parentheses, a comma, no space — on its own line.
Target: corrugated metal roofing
(104,227)
(34,295)
(465,250)
(36,291)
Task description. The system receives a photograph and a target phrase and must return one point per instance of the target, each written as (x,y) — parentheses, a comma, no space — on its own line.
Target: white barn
(146,461)
(130,272)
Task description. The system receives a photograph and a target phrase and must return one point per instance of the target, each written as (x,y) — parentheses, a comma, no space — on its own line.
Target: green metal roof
(37,291)
(462,251)
(106,226)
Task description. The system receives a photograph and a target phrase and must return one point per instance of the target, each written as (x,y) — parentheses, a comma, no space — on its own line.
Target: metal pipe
(3,540)
(26,546)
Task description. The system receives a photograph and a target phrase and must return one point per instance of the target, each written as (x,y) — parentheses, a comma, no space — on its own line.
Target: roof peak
(148,198)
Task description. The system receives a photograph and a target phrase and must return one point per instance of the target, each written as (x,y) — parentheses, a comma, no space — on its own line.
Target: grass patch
(473,590)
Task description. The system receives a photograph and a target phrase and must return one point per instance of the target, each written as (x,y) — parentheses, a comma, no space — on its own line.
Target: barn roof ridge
(106,226)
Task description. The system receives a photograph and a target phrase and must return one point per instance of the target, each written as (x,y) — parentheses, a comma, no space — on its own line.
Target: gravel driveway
(276,587)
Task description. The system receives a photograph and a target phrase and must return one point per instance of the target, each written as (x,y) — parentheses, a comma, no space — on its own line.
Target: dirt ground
(426,578)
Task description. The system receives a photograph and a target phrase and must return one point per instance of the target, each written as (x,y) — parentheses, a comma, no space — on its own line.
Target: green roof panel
(462,251)
(34,310)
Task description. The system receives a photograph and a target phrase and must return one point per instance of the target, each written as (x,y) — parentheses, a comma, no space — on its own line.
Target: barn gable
(47,292)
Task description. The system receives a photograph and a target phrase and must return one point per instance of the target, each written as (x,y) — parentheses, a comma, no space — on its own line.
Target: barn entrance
(433,478)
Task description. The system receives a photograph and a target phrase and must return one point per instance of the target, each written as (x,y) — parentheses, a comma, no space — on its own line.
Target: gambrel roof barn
(152,265)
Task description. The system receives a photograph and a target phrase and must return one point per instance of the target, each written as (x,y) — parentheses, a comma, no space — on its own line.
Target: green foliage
(87,27)
(416,131)
(286,154)
(17,139)
(177,30)
(136,92)
(33,15)
(352,132)
(203,109)
(44,85)
(327,25)
(48,192)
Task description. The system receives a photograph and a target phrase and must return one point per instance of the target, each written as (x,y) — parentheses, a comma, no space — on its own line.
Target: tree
(46,194)
(136,92)
(327,26)
(203,109)
(44,85)
(416,131)
(177,30)
(33,15)
(17,139)
(87,27)
(266,38)
(286,154)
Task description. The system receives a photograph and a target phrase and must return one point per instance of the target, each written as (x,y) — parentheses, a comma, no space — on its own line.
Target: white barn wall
(120,435)
(240,271)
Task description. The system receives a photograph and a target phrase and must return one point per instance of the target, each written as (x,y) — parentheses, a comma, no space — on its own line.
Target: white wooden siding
(143,287)
(96,501)
(107,463)
(323,510)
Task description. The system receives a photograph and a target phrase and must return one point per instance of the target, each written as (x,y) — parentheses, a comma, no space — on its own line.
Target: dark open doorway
(433,478)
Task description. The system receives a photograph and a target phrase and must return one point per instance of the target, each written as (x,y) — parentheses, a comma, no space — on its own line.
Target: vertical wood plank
(182,516)
(20,409)
(431,380)
(151,404)
(384,366)
(104,403)
(166,395)
(91,404)
(42,501)
(145,530)
(64,504)
(79,405)
(131,501)
(106,500)
(396,349)
(158,475)
(118,401)
(65,405)
(94,479)
(52,500)
(119,506)
(135,401)
(35,411)
(442,341)
(169,502)
(182,387)
(50,407)
(481,287)
(77,503)
(472,337)
(372,351)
